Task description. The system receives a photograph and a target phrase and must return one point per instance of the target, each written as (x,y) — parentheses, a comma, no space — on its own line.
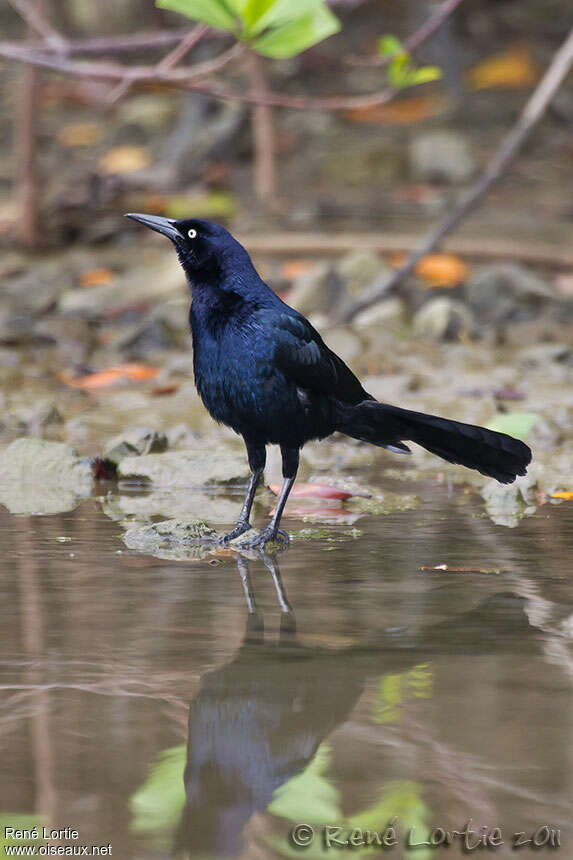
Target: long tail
(494,454)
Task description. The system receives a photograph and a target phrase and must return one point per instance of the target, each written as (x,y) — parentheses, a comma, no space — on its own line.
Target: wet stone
(42,477)
(176,540)
(188,468)
(134,442)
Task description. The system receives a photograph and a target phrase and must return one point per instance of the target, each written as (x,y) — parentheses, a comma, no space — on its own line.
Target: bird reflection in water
(258,720)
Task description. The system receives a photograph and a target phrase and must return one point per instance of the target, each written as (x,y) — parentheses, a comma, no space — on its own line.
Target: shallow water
(432,696)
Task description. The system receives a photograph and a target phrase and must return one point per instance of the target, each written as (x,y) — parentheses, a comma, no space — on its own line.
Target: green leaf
(390,46)
(309,796)
(216,13)
(293,37)
(156,806)
(19,821)
(517,424)
(212,205)
(399,70)
(259,15)
(424,75)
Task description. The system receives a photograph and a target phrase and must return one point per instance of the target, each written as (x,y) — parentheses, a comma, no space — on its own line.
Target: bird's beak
(155,222)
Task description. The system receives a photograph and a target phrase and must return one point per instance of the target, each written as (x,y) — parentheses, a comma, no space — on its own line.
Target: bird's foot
(261,540)
(239,530)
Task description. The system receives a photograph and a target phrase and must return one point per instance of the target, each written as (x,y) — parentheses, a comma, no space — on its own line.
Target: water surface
(151,706)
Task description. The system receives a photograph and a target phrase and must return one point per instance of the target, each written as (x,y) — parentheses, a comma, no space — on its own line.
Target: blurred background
(431,674)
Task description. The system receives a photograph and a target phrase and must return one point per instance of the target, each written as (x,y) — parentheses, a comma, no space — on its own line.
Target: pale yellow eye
(192,233)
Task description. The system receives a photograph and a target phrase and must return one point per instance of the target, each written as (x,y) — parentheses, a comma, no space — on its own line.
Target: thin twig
(263,132)
(418,37)
(186,44)
(186,77)
(510,145)
(35,20)
(188,41)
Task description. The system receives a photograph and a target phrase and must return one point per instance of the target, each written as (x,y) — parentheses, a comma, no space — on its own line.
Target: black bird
(262,369)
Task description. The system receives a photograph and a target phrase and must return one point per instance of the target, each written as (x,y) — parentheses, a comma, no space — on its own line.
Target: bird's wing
(301,354)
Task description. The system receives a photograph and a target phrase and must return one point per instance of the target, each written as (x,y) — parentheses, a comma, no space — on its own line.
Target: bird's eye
(192,233)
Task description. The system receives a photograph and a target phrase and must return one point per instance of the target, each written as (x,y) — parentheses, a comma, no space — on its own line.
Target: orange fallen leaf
(315,491)
(403,112)
(138,371)
(80,134)
(95,277)
(332,513)
(163,390)
(125,159)
(564,284)
(442,270)
(106,378)
(563,494)
(513,69)
(291,269)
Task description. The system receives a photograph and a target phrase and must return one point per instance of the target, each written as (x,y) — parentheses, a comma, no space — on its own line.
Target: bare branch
(35,20)
(188,41)
(185,45)
(510,145)
(186,77)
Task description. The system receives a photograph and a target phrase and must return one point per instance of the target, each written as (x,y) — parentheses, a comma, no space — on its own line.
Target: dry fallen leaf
(125,159)
(106,378)
(80,134)
(442,270)
(315,491)
(95,277)
(401,112)
(563,494)
(513,69)
(291,269)
(564,284)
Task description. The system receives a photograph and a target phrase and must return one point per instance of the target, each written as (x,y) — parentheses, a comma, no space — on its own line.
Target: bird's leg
(257,459)
(255,623)
(272,566)
(272,532)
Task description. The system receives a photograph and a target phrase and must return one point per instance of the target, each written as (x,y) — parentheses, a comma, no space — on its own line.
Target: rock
(175,504)
(139,286)
(345,343)
(134,442)
(38,288)
(376,321)
(507,504)
(151,112)
(541,354)
(318,290)
(443,319)
(338,453)
(164,327)
(151,334)
(188,468)
(506,292)
(445,156)
(359,269)
(75,339)
(176,540)
(35,418)
(40,477)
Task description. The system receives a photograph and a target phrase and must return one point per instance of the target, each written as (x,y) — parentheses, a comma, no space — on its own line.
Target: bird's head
(201,245)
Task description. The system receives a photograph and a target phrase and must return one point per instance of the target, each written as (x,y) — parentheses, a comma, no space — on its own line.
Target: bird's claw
(239,530)
(261,540)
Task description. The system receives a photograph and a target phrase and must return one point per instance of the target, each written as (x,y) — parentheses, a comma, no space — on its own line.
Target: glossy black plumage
(262,369)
